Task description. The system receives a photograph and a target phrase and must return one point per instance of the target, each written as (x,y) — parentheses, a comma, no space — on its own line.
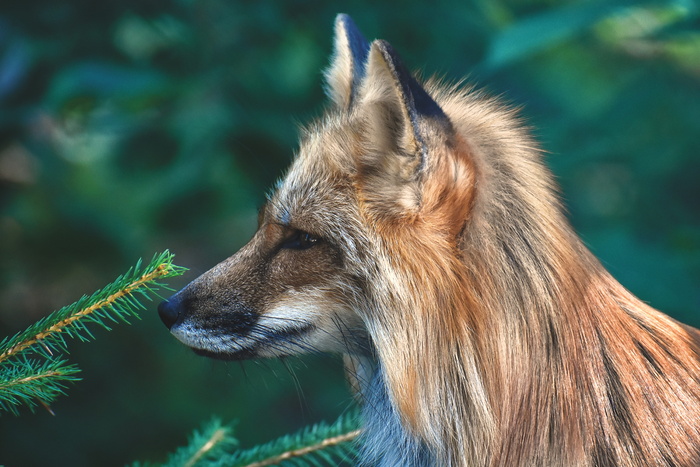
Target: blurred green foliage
(133,126)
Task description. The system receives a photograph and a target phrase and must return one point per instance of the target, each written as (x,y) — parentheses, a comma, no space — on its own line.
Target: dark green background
(134,126)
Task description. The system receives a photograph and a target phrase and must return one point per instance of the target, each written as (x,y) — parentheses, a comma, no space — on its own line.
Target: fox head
(382,164)
(370,246)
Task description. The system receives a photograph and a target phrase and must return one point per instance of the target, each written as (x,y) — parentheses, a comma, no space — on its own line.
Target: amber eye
(300,240)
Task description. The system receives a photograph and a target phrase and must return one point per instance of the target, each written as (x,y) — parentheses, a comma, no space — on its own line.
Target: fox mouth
(256,343)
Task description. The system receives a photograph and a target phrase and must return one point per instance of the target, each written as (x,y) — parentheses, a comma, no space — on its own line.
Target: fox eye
(300,240)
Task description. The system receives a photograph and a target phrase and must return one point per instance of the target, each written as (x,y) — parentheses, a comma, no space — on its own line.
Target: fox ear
(347,67)
(403,123)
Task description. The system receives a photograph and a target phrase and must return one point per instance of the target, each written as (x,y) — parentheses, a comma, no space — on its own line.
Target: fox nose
(169,311)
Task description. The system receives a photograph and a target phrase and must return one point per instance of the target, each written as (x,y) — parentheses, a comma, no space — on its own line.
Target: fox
(419,234)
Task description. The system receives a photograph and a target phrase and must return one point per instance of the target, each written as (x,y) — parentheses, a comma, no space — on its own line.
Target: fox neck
(516,347)
(577,354)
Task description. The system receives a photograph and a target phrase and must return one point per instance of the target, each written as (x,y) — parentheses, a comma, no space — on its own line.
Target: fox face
(309,278)
(287,291)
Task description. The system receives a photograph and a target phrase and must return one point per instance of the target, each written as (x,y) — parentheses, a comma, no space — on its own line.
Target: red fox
(418,233)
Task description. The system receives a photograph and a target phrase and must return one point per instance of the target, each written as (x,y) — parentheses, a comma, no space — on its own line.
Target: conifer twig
(25,379)
(115,301)
(217,437)
(32,381)
(320,444)
(204,448)
(323,444)
(160,271)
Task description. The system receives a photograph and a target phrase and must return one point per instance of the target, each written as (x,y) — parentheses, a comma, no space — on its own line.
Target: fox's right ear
(347,67)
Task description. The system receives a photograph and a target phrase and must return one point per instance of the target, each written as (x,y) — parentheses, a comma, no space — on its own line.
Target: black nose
(169,310)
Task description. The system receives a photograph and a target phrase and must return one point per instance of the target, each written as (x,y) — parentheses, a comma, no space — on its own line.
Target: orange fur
(419,233)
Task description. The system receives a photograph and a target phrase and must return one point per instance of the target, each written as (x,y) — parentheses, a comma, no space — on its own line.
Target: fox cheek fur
(418,233)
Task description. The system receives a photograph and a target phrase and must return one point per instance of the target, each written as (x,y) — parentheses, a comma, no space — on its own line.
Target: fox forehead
(320,183)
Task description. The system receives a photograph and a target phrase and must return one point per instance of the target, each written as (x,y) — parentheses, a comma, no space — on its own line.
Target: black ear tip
(391,57)
(345,20)
(383,45)
(358,43)
(418,99)
(345,23)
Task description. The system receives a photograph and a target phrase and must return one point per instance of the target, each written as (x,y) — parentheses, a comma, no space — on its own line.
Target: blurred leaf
(14,63)
(103,81)
(541,31)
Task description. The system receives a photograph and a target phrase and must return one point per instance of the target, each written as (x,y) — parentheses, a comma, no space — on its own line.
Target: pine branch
(204,447)
(320,444)
(308,450)
(116,302)
(26,380)
(215,443)
(32,381)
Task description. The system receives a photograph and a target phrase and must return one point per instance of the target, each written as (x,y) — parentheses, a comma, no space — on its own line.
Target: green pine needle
(321,444)
(29,382)
(205,446)
(116,302)
(26,380)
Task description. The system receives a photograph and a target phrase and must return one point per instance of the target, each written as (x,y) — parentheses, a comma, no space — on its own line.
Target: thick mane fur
(542,358)
(419,233)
